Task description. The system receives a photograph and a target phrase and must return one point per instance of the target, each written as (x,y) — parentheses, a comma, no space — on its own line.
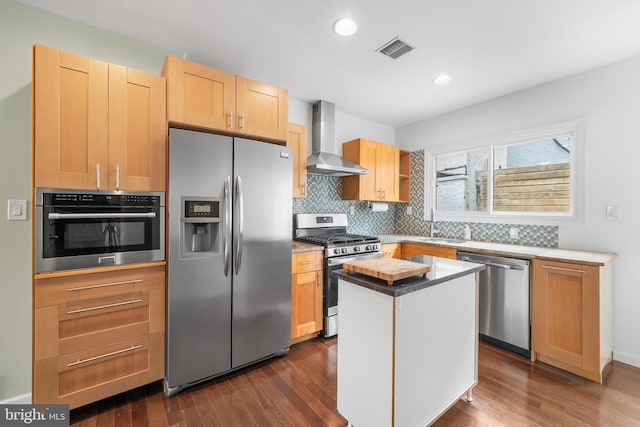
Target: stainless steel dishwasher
(504,301)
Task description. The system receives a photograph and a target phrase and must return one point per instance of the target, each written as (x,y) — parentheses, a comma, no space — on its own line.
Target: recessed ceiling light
(345,26)
(442,79)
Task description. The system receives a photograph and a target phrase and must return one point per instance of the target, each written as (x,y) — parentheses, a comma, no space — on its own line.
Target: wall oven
(82,229)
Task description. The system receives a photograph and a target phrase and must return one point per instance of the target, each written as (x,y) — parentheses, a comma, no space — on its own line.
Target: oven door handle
(331,262)
(101,215)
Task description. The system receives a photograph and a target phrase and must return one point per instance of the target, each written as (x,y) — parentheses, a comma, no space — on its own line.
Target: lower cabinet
(97,334)
(306,295)
(410,249)
(392,250)
(572,322)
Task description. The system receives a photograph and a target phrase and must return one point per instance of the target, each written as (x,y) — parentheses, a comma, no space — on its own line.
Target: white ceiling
(489,47)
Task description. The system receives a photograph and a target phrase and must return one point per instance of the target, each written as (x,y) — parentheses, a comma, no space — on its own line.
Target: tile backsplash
(325,196)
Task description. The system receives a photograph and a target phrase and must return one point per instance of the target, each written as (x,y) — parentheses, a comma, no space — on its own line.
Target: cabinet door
(137,130)
(70,120)
(388,172)
(566,330)
(306,316)
(415,249)
(368,158)
(262,109)
(297,141)
(391,250)
(199,95)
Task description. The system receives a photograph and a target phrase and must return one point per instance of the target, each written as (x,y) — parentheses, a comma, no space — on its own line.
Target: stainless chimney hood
(322,161)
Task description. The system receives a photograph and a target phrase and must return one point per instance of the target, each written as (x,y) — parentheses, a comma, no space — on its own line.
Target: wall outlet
(613,212)
(409,210)
(352,210)
(513,232)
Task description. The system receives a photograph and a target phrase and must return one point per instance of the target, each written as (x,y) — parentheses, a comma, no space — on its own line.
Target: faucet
(432,230)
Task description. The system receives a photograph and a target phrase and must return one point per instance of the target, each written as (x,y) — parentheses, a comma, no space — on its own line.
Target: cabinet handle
(104,285)
(306,262)
(303,188)
(97,176)
(231,119)
(102,356)
(548,267)
(118,177)
(242,120)
(100,307)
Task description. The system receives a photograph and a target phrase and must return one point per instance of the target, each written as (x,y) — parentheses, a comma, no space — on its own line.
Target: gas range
(329,231)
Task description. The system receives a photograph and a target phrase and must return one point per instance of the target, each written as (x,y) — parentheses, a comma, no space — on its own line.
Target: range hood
(322,160)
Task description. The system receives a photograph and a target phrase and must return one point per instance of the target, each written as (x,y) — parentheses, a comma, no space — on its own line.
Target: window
(526,175)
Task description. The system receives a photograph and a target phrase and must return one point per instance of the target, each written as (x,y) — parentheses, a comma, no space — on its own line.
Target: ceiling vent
(395,48)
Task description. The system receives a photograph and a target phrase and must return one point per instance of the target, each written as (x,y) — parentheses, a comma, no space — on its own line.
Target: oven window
(101,235)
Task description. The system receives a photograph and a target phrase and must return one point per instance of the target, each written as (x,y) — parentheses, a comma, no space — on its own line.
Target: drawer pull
(306,262)
(104,285)
(100,307)
(548,267)
(102,356)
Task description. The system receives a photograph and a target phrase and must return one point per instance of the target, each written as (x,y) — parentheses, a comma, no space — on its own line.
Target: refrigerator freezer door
(262,284)
(199,296)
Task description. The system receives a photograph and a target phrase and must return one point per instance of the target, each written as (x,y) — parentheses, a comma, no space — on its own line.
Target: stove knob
(336,251)
(367,248)
(344,250)
(356,249)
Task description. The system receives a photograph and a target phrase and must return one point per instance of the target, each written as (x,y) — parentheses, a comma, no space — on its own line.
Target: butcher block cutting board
(389,269)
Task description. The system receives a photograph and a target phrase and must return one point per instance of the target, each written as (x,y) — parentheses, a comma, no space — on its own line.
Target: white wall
(608,98)
(347,127)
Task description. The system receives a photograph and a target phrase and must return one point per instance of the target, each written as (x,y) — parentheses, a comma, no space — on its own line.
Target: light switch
(16,210)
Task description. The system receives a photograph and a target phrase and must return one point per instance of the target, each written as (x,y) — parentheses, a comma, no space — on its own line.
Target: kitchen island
(407,351)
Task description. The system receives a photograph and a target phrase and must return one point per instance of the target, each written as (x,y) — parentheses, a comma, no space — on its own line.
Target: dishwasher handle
(492,264)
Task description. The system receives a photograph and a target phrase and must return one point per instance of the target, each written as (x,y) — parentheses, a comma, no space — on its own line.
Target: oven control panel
(355,249)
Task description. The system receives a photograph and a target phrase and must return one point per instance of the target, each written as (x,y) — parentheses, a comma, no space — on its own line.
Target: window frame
(575,129)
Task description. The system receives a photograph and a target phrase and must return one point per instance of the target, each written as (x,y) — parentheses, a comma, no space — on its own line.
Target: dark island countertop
(442,270)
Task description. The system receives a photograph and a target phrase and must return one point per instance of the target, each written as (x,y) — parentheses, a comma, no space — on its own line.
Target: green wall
(20,27)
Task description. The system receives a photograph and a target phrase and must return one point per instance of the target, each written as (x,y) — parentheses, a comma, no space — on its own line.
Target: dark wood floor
(300,390)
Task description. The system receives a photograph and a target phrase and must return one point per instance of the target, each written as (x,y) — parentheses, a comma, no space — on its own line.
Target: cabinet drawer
(64,289)
(78,325)
(83,377)
(307,261)
(415,249)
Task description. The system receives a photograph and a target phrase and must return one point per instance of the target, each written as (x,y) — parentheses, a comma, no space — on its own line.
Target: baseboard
(629,359)
(23,399)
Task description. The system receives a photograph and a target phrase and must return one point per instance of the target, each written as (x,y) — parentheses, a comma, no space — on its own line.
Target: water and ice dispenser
(201,226)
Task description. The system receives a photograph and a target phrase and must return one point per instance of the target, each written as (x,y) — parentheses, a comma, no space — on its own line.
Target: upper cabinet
(297,141)
(97,125)
(383,181)
(203,96)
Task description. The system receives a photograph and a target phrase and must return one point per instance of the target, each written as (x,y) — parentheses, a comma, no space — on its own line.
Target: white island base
(404,360)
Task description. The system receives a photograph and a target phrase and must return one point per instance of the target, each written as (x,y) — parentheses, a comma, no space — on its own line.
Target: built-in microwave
(82,229)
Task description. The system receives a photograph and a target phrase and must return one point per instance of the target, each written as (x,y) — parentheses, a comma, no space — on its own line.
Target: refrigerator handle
(240,224)
(227,225)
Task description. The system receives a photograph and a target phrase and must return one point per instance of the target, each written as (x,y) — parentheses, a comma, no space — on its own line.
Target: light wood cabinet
(97,333)
(203,96)
(382,181)
(297,141)
(97,125)
(572,324)
(404,190)
(306,295)
(392,250)
(410,249)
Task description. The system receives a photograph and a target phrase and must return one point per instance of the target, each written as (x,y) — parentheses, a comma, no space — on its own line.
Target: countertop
(297,246)
(502,249)
(442,270)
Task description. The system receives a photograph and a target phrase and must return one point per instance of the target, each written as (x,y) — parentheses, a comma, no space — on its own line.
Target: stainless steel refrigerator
(229,255)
